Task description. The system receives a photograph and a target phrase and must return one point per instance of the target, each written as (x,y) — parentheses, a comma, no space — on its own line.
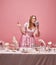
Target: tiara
(33,17)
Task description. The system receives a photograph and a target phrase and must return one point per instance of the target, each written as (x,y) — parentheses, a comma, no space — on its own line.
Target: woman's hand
(18,24)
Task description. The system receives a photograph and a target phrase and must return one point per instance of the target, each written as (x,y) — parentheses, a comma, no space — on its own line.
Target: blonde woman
(29,31)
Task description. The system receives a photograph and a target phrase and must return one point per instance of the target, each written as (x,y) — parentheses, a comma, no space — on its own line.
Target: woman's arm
(21,29)
(37,32)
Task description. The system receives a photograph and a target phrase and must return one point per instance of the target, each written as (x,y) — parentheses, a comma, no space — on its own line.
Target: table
(27,59)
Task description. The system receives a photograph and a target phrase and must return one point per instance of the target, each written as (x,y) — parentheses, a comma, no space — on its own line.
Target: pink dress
(27,39)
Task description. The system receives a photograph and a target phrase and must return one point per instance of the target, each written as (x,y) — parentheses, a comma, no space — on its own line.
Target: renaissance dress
(28,39)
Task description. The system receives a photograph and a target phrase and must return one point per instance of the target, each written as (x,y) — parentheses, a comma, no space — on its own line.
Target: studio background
(12,11)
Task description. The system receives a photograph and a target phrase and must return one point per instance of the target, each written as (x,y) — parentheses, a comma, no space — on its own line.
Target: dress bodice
(29,31)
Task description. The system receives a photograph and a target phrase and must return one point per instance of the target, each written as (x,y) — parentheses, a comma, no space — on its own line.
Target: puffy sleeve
(25,27)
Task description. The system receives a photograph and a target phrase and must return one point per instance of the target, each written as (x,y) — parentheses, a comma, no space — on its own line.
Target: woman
(29,31)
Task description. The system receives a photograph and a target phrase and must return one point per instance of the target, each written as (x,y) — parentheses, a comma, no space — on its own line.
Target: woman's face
(33,20)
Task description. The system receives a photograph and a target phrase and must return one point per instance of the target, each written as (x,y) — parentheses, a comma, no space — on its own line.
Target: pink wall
(13,10)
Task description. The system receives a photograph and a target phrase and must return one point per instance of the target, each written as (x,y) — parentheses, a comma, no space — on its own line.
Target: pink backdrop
(13,10)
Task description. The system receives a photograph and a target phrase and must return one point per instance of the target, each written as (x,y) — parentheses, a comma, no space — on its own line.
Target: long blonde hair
(30,21)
